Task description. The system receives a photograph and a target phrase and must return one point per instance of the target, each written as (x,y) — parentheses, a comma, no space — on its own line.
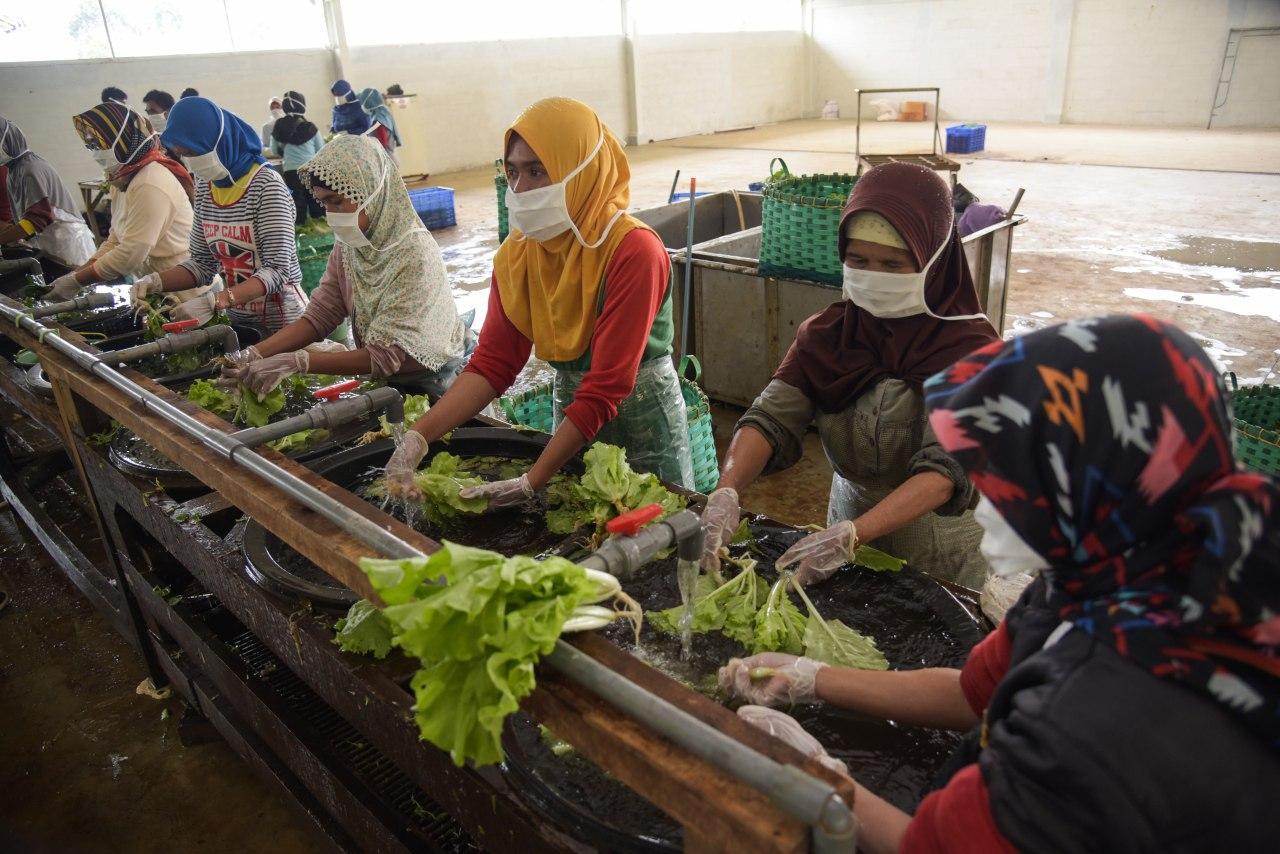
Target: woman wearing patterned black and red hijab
(1130,700)
(854,372)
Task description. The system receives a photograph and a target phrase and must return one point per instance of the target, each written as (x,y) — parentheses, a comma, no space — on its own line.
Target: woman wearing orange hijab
(586,288)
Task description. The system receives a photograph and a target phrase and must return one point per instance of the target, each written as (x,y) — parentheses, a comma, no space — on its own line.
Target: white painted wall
(989,58)
(42,97)
(1154,62)
(1254,96)
(707,82)
(1136,62)
(473,91)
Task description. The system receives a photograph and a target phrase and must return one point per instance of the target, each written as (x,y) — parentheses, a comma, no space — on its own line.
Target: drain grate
(377,772)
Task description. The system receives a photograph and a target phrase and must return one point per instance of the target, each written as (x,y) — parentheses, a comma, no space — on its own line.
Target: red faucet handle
(333,391)
(180,325)
(629,524)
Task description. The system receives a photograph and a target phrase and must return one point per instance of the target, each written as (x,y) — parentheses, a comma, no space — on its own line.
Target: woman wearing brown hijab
(855,372)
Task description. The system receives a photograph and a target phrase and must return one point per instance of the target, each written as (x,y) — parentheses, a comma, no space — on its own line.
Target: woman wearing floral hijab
(1130,700)
(150,200)
(386,274)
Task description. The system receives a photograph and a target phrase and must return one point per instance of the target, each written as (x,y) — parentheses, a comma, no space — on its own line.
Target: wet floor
(87,764)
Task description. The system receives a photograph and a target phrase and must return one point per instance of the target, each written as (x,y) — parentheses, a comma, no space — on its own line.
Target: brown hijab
(842,351)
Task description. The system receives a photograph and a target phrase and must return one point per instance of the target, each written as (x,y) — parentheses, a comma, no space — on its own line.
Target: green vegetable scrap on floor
(607,489)
(478,636)
(364,630)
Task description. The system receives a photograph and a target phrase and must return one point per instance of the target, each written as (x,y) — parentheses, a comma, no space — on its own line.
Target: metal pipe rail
(806,798)
(328,415)
(77,304)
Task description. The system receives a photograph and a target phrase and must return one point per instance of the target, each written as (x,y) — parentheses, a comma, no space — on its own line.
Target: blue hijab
(372,103)
(348,117)
(194,123)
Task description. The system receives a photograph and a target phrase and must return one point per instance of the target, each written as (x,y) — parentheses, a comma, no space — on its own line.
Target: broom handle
(688,269)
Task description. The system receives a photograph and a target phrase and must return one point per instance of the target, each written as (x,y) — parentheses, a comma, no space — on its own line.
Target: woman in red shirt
(1130,700)
(585,287)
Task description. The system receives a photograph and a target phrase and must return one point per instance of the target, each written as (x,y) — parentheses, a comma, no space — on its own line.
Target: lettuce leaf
(833,642)
(876,560)
(207,395)
(364,630)
(299,441)
(779,625)
(607,489)
(730,608)
(257,411)
(478,635)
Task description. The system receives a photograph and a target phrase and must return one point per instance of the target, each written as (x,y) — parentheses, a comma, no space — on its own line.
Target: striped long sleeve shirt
(250,237)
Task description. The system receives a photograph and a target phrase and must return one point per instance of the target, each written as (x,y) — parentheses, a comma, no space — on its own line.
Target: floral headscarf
(401,293)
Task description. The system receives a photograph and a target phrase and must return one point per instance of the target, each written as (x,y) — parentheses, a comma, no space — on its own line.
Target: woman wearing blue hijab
(348,115)
(242,228)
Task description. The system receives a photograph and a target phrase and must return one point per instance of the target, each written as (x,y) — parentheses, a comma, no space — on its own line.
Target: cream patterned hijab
(401,293)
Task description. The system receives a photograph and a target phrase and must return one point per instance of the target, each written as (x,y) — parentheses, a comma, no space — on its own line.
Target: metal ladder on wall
(1234,38)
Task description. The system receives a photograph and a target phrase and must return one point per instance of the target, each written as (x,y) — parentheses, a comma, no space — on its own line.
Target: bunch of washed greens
(247,408)
(441,484)
(477,622)
(607,489)
(764,619)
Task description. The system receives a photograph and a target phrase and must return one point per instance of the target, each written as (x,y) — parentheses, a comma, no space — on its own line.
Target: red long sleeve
(956,820)
(636,283)
(987,664)
(502,351)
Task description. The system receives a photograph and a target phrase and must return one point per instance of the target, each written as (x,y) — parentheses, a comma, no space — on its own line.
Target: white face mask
(543,213)
(277,113)
(107,157)
(339,100)
(1007,553)
(208,166)
(159,121)
(346,226)
(892,295)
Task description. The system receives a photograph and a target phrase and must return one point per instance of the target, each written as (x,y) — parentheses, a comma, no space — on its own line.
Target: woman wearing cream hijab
(584,287)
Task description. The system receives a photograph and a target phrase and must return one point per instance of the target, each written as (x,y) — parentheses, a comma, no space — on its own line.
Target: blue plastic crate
(434,206)
(966,139)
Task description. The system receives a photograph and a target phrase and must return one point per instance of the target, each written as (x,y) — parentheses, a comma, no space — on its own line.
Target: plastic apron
(66,240)
(651,424)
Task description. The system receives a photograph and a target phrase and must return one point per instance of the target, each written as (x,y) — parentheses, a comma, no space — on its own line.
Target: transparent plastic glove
(200,308)
(326,346)
(786,728)
(143,288)
(63,288)
(502,493)
(719,523)
(263,375)
(403,465)
(780,679)
(819,555)
(235,364)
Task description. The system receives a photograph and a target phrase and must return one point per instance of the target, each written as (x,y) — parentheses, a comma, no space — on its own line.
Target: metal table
(937,160)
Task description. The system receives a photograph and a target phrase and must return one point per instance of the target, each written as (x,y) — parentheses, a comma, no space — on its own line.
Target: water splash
(686,578)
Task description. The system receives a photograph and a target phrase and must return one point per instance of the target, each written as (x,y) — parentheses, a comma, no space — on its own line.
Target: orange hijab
(549,289)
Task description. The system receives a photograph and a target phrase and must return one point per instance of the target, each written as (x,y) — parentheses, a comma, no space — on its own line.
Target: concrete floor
(88,765)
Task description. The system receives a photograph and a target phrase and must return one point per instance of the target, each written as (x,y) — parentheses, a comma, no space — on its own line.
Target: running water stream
(686,578)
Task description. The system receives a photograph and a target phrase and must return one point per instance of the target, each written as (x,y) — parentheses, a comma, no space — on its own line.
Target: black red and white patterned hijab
(1107,445)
